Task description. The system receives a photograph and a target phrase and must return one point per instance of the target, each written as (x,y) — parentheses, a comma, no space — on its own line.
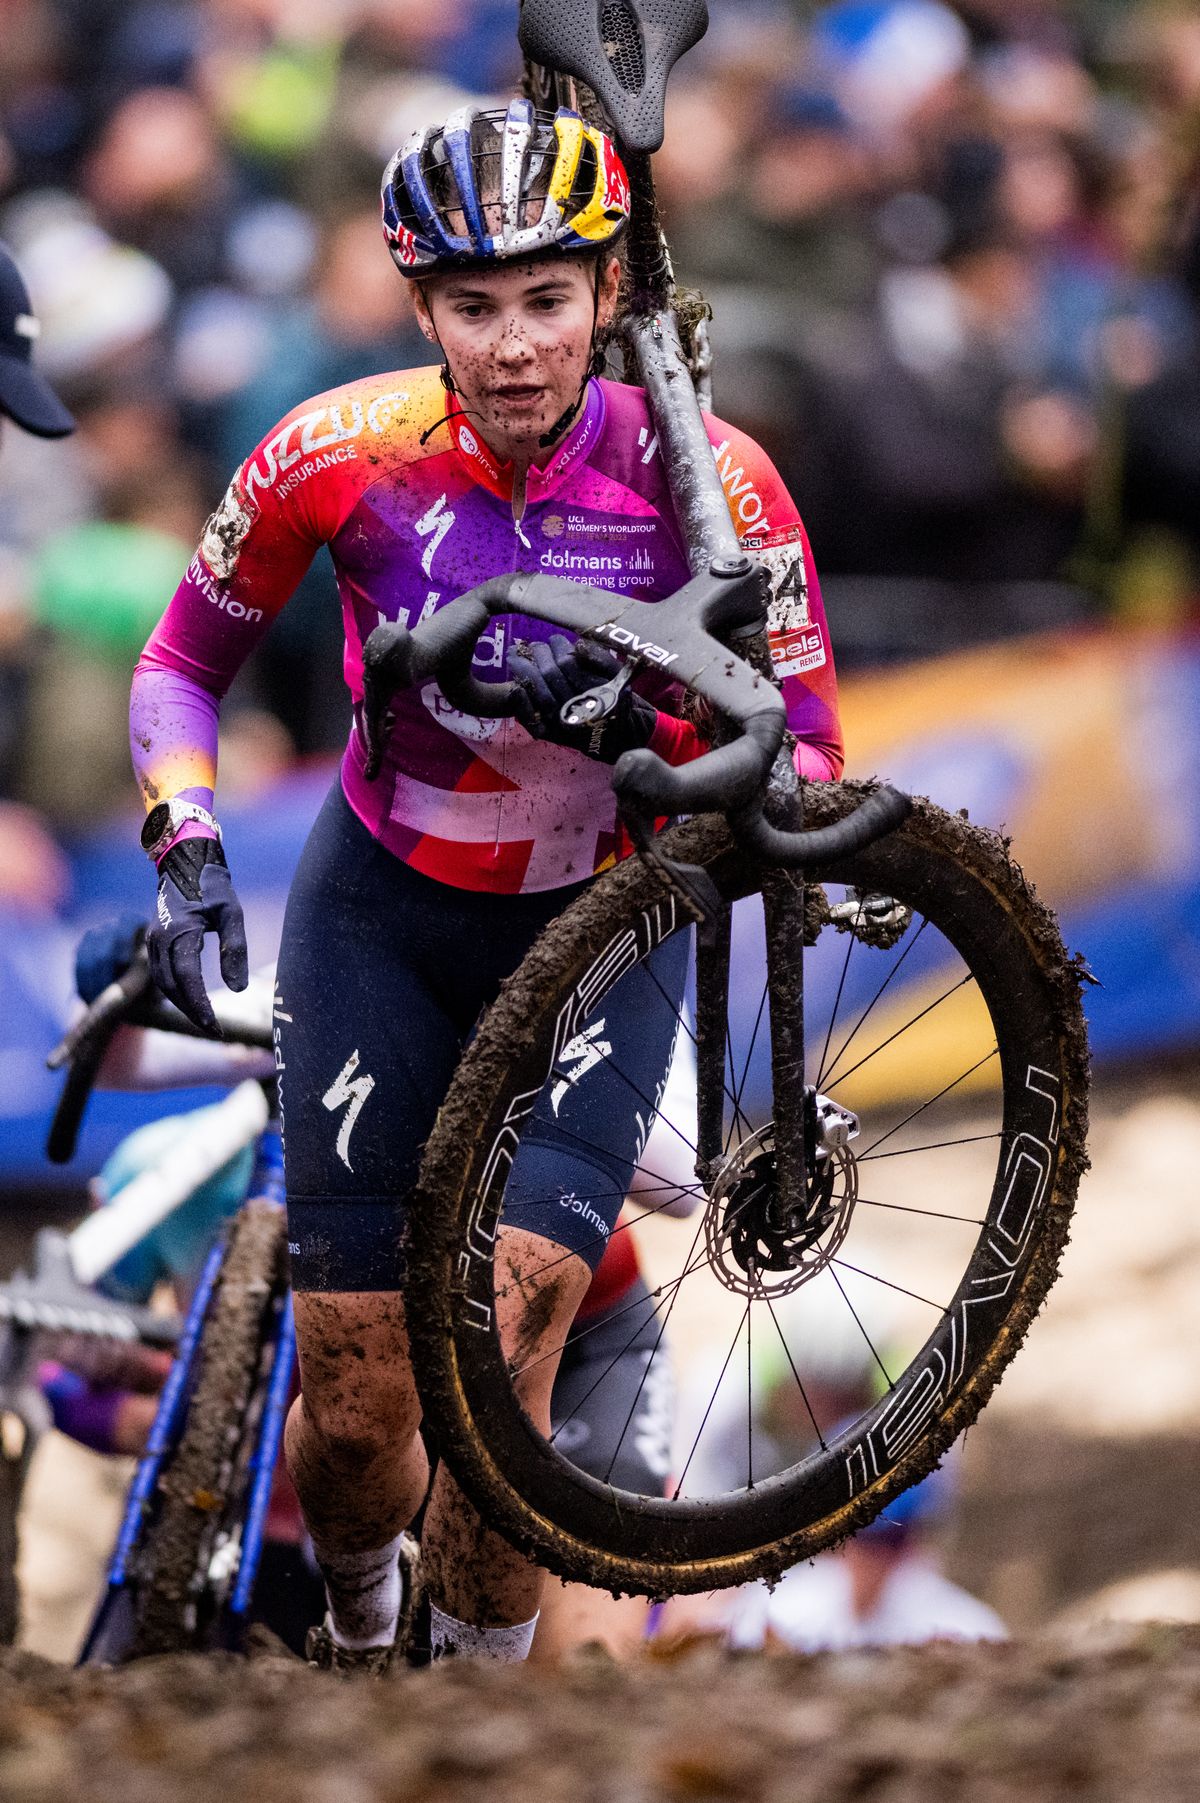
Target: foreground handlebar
(674,637)
(873,819)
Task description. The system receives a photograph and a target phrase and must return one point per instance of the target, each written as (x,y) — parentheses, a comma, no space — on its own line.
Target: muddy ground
(1079,1504)
(981,1724)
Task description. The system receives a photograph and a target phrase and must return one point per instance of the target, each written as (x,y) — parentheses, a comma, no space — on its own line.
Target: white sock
(364,1594)
(458,1639)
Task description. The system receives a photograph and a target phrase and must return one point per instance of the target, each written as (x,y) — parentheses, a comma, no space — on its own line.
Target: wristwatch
(164,820)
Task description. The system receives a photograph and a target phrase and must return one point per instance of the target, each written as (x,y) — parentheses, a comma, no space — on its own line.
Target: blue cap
(25,395)
(921,1505)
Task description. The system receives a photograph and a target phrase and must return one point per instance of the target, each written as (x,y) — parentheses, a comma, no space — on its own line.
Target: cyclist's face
(518,342)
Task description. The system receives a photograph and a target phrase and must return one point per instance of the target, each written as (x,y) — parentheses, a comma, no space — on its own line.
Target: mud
(1040,1721)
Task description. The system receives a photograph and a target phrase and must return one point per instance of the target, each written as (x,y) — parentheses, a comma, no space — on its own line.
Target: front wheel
(823,1368)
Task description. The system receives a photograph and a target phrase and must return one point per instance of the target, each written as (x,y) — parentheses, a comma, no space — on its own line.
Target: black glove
(548,676)
(105,953)
(195,896)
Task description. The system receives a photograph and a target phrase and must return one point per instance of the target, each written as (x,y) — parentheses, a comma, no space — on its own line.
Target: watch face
(155,825)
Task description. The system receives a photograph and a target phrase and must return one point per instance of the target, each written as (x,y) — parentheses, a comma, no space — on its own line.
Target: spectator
(883,1588)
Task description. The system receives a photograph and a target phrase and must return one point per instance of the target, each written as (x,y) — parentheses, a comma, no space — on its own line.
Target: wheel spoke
(711,1401)
(749,1398)
(844,1265)
(741,1086)
(597,1240)
(665,1289)
(787,1353)
(660,1178)
(901,1031)
(882,1141)
(607,1372)
(862,1330)
(652,1107)
(682,1019)
(837,1002)
(738,1115)
(892,974)
(654,1352)
(932,1214)
(940,1145)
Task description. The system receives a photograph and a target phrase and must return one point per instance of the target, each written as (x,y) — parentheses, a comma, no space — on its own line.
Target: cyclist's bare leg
(575,1615)
(473,1574)
(353,1447)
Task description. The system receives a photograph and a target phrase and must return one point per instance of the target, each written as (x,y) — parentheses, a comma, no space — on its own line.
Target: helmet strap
(446,375)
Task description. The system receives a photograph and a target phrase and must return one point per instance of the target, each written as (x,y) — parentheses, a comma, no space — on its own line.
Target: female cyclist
(418,893)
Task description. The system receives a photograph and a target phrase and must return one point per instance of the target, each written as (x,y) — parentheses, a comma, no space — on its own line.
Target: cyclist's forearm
(172,733)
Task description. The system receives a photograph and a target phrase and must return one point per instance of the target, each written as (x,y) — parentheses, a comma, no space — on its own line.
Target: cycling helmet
(542,181)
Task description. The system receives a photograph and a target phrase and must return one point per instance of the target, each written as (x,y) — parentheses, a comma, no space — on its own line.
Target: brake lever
(691,886)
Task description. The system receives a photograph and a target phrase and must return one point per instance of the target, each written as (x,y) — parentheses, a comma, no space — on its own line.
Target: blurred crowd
(953,251)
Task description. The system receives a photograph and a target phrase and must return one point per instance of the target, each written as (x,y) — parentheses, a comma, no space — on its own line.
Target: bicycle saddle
(623,49)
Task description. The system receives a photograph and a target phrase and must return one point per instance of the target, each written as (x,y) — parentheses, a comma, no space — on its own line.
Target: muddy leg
(353,1449)
(472,1573)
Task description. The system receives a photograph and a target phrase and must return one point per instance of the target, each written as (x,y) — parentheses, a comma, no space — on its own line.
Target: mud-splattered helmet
(491,186)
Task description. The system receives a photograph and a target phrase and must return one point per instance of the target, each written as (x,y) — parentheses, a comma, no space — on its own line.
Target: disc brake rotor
(755,1243)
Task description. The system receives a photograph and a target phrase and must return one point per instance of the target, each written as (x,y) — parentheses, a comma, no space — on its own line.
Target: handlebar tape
(879,815)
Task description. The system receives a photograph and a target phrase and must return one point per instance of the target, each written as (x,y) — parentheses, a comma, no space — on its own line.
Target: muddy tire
(962,878)
(201,1484)
(11,1485)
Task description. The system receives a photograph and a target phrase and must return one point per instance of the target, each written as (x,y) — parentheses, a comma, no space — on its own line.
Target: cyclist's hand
(105,953)
(548,676)
(195,896)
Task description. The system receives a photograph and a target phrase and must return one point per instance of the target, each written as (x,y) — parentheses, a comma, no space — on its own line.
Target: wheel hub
(756,1243)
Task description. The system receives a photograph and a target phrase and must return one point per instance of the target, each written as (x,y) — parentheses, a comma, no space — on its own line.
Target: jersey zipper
(520,493)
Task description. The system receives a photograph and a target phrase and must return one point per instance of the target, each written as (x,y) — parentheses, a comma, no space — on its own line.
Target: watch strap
(179,815)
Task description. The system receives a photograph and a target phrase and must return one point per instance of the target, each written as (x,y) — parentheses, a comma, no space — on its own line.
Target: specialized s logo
(347,1088)
(434,526)
(584,1053)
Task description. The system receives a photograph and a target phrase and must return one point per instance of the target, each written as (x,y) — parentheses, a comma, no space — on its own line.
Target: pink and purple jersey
(413,520)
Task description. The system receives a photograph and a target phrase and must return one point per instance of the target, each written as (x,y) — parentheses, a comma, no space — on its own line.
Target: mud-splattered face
(518,342)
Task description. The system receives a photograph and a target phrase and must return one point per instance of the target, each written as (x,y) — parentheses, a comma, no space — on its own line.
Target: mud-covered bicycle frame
(711,636)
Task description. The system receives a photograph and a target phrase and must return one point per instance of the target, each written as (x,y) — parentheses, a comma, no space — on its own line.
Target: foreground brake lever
(691,885)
